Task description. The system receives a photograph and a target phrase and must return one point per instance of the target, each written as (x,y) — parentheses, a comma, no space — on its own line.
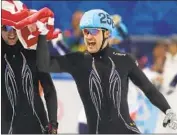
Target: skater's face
(93,39)
(9,35)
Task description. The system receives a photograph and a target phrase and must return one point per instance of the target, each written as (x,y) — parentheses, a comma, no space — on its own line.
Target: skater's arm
(47,63)
(139,79)
(49,95)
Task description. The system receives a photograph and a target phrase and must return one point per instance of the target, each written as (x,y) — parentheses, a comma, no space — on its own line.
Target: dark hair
(3,27)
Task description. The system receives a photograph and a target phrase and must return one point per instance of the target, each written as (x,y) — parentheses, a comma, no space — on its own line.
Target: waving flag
(17,15)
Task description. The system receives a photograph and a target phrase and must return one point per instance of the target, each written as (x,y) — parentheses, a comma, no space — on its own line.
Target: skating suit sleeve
(139,79)
(47,63)
(49,95)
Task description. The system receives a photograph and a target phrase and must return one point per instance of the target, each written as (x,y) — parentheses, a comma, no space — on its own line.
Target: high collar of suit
(11,50)
(101,54)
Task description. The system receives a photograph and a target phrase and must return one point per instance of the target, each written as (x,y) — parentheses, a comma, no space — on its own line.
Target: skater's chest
(18,68)
(106,67)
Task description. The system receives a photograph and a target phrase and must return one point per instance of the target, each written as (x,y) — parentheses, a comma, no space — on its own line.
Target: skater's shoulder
(122,56)
(75,56)
(117,53)
(29,54)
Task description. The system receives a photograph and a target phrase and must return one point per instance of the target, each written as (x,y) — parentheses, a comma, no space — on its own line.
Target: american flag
(16,14)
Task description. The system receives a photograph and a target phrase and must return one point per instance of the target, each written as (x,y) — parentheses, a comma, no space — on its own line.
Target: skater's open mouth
(91,44)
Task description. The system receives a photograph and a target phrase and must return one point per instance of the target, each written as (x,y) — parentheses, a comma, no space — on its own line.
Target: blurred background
(145,29)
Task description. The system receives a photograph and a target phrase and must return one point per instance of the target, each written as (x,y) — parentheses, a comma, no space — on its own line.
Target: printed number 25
(105,18)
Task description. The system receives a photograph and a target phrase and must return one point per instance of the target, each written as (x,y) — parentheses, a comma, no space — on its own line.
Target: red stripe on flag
(15,17)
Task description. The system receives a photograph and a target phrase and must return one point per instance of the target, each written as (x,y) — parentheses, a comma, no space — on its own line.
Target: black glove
(51,128)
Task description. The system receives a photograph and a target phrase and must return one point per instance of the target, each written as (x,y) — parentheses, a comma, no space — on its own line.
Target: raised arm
(47,63)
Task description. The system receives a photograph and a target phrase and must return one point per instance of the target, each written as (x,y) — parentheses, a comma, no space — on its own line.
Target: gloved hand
(170,119)
(51,128)
(42,28)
